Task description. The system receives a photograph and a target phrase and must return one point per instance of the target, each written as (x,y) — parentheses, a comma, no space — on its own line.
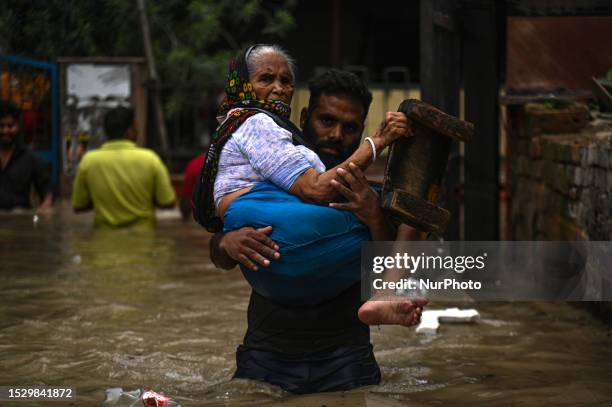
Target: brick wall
(560,181)
(560,174)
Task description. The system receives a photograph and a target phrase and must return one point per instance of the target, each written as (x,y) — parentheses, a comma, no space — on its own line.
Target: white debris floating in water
(430,319)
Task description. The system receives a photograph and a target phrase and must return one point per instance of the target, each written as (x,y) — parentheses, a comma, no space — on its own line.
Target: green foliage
(53,28)
(192,39)
(607,80)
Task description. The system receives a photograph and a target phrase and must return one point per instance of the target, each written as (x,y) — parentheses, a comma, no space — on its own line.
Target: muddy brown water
(146,309)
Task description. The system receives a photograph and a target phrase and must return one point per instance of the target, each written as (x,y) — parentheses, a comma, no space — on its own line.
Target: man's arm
(42,183)
(81,197)
(363,202)
(164,196)
(166,206)
(47,202)
(218,255)
(247,246)
(250,246)
(82,209)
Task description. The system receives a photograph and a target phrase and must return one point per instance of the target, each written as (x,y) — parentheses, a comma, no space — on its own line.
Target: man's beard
(7,142)
(330,160)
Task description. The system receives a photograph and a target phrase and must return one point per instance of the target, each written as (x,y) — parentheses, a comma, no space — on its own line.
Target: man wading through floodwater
(320,346)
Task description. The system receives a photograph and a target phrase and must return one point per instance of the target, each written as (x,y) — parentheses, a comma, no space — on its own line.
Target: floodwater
(146,309)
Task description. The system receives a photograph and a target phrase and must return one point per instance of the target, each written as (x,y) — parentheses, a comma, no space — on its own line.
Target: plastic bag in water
(118,397)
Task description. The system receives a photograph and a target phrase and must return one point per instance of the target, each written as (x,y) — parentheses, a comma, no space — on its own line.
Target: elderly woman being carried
(259,172)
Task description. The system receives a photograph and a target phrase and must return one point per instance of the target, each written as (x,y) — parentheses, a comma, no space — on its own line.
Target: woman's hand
(396,125)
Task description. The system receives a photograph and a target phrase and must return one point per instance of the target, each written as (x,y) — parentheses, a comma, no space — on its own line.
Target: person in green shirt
(122,182)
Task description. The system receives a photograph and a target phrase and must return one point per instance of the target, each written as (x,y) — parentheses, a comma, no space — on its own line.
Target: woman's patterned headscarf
(239,104)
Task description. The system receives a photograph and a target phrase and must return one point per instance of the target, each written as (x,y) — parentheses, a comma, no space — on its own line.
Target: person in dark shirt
(323,347)
(20,169)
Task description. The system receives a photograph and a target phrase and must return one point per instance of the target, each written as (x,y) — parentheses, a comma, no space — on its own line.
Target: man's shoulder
(24,153)
(146,154)
(90,156)
(136,151)
(145,151)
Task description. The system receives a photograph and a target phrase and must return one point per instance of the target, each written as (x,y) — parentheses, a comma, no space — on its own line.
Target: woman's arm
(270,152)
(272,155)
(318,188)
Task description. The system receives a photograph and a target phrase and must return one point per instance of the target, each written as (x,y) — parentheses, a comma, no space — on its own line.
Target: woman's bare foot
(392,312)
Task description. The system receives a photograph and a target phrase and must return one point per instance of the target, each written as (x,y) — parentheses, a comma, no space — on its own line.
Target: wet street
(146,309)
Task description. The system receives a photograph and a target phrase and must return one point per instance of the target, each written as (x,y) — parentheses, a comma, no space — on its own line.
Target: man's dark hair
(117,121)
(339,83)
(8,108)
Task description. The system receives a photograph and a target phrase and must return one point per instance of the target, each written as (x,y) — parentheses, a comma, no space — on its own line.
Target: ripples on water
(145,309)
